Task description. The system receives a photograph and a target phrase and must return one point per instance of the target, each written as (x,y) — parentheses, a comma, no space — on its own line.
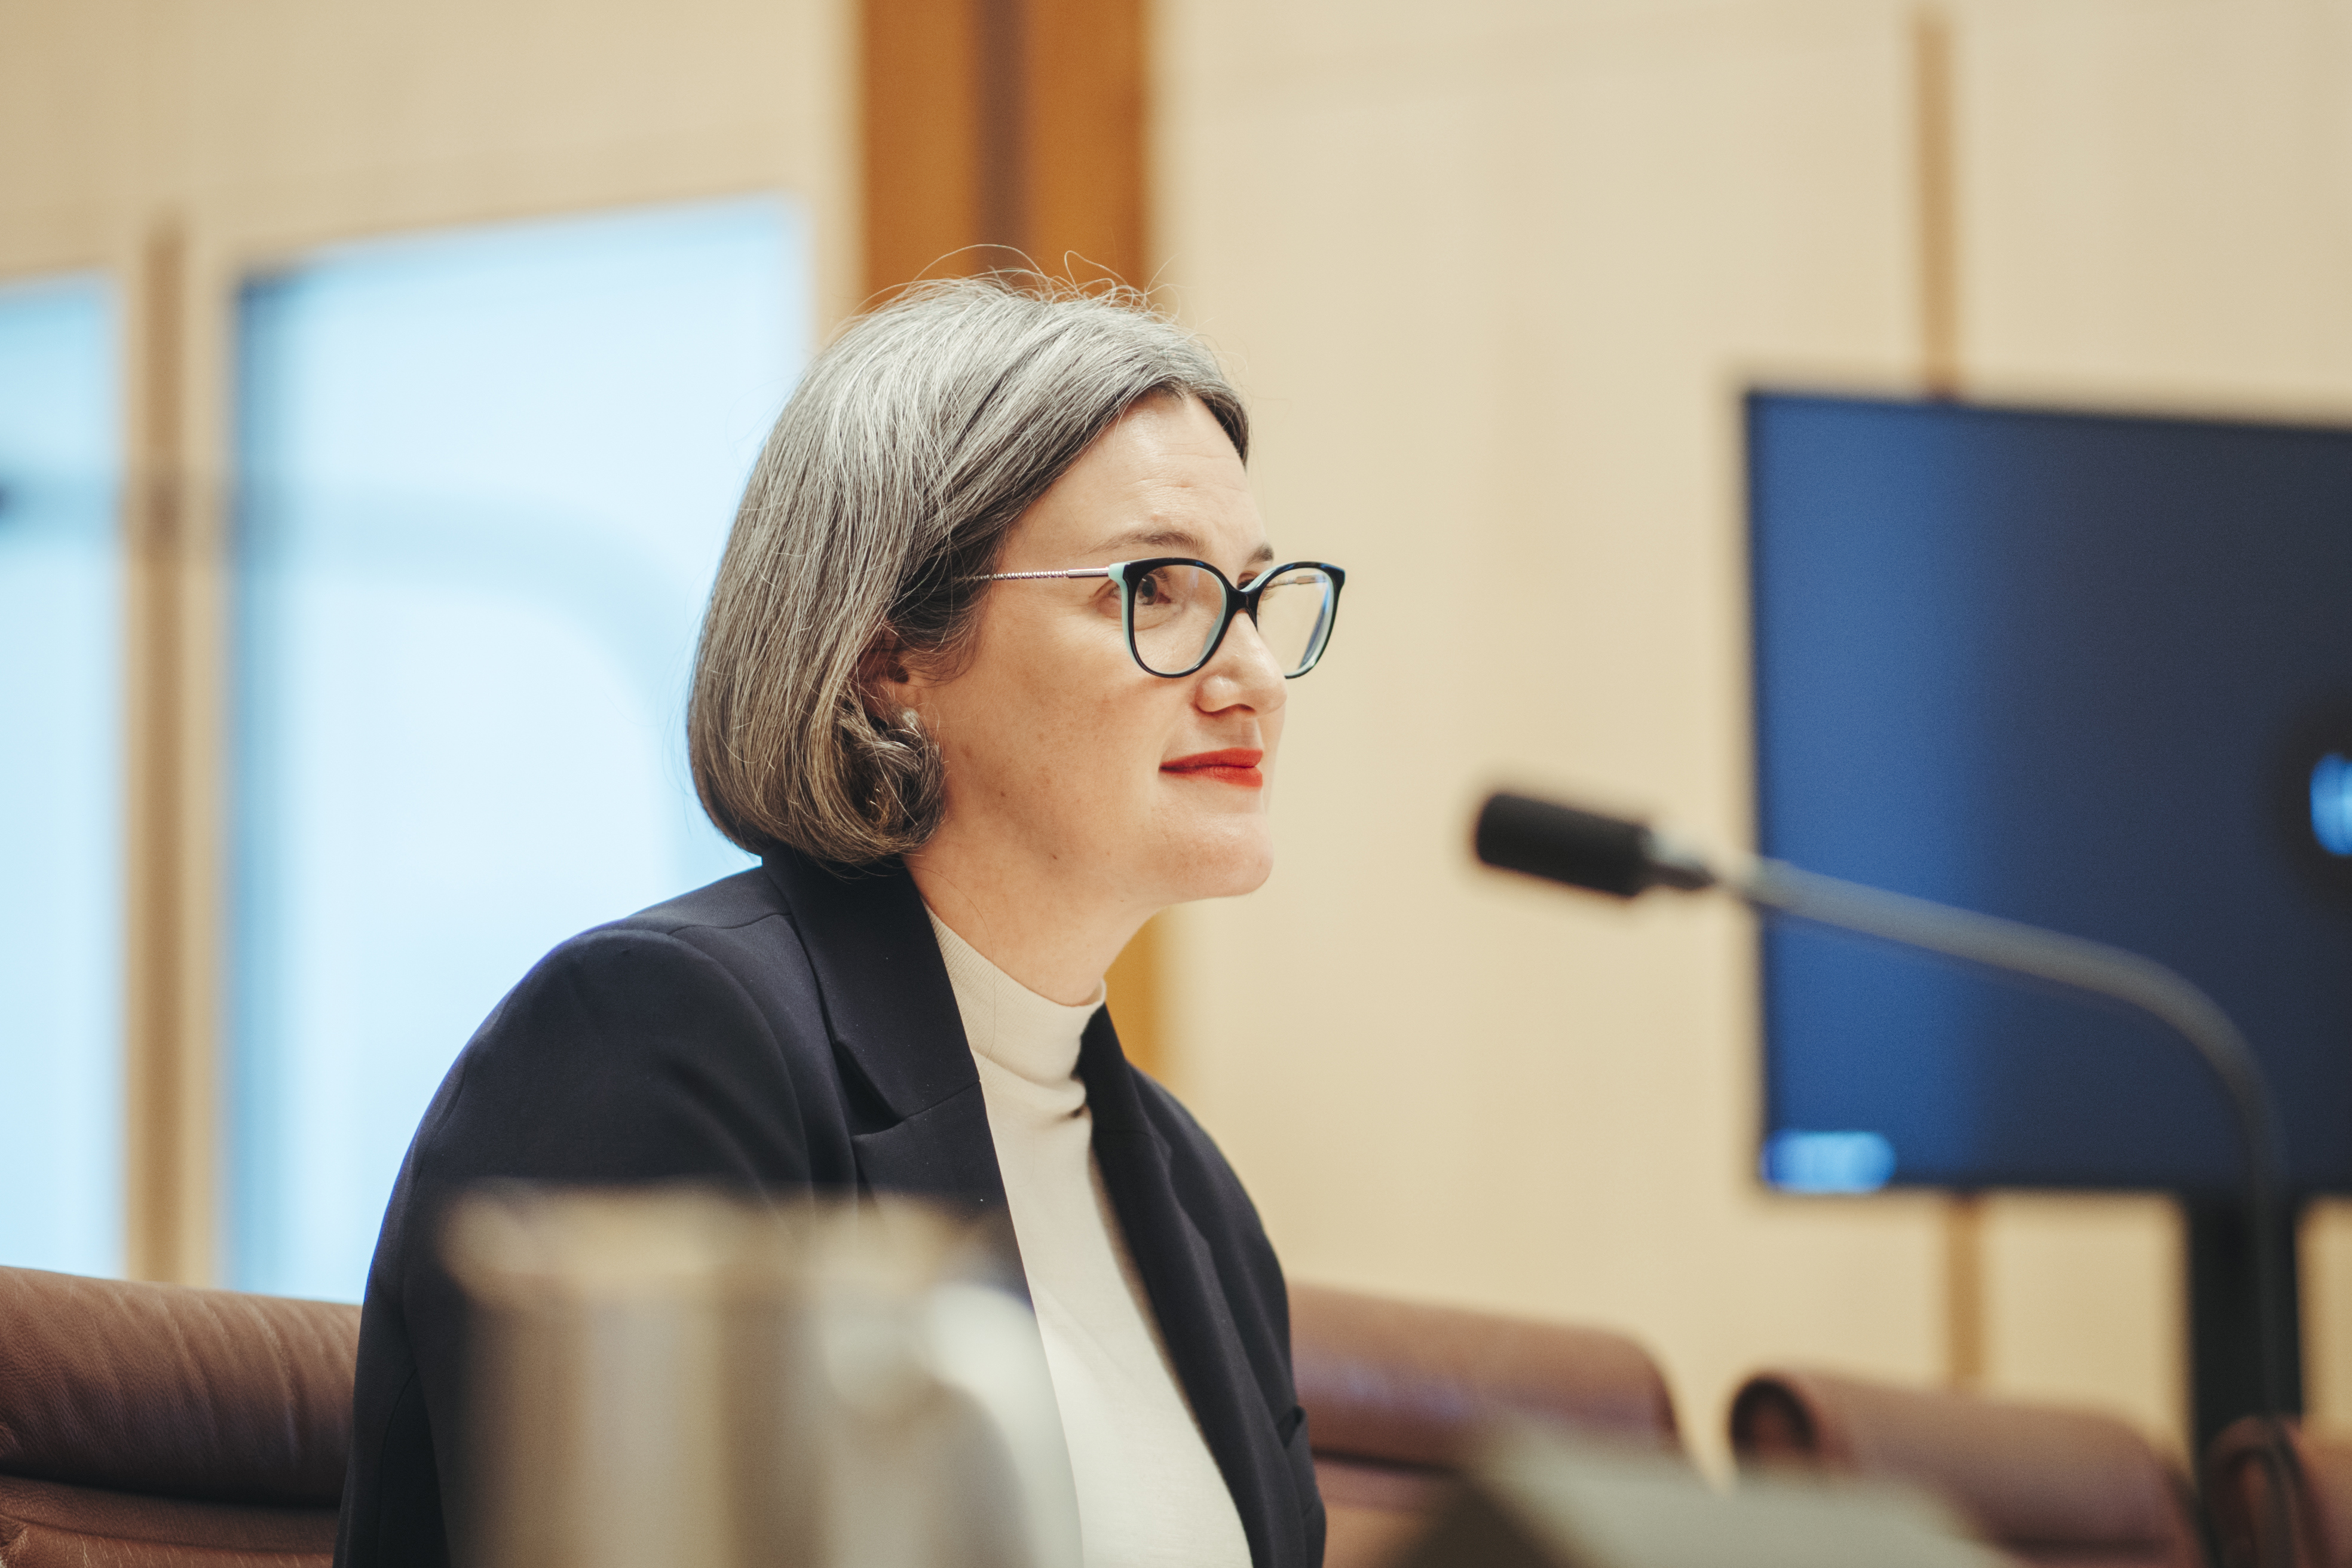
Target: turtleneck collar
(1029,1035)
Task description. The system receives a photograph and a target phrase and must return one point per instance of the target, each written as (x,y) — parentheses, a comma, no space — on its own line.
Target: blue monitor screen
(2089,671)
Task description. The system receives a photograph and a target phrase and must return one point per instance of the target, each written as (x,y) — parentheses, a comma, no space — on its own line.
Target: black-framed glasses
(1177,611)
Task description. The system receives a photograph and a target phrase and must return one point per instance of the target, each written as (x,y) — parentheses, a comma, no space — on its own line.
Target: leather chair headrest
(2040,1481)
(1404,1383)
(2253,1505)
(171,1392)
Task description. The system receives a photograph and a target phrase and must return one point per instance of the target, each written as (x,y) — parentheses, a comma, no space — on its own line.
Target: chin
(1224,864)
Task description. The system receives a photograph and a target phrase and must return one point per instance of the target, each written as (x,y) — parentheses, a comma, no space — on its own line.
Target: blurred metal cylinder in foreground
(671,1377)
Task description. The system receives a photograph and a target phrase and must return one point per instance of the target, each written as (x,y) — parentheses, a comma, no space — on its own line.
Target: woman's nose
(1242,670)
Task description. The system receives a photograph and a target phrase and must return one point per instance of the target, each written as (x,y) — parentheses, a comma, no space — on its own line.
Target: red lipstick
(1233,765)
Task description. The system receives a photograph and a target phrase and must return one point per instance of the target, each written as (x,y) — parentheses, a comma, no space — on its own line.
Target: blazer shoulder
(740,925)
(713,970)
(729,903)
(688,1039)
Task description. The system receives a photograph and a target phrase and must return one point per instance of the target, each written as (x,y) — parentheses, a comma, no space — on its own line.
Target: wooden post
(1084,127)
(1937,214)
(171,670)
(1938,203)
(1001,130)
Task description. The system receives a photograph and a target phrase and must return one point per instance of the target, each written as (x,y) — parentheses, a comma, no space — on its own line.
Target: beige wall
(1493,274)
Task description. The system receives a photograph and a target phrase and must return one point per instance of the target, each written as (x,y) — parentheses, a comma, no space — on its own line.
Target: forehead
(1165,479)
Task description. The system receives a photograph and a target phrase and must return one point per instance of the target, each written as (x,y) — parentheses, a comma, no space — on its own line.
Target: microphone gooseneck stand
(1562,844)
(2089,966)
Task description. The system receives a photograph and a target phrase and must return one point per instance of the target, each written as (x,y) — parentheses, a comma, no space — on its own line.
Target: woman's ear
(889,677)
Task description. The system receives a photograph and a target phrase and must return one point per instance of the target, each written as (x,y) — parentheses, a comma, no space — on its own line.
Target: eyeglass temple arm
(1013,576)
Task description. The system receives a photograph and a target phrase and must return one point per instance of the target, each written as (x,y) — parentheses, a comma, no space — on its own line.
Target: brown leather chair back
(2055,1487)
(2269,1483)
(153,1426)
(1394,1391)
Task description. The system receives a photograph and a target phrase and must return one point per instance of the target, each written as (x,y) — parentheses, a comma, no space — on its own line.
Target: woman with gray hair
(993,670)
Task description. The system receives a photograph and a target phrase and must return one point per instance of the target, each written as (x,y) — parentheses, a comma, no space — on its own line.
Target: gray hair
(891,479)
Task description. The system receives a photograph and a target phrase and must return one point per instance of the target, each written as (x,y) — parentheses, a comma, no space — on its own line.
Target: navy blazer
(788,1030)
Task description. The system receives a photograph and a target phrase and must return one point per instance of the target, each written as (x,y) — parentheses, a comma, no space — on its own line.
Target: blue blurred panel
(2079,670)
(60,780)
(489,478)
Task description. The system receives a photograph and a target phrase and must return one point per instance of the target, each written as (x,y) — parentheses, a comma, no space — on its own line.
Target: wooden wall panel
(1493,275)
(1083,125)
(1002,130)
(921,120)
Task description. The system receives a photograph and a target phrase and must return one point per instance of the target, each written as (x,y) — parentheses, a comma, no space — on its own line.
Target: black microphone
(1608,855)
(1582,849)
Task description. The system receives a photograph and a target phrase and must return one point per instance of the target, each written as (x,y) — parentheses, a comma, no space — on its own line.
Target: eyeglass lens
(1177,610)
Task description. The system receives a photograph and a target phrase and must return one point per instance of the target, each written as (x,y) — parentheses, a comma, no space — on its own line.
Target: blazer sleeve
(626,1055)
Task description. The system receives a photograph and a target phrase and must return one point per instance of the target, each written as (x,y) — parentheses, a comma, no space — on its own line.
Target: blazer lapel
(1196,1320)
(892,1018)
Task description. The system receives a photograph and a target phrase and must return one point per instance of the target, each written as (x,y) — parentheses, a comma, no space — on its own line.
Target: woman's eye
(1152,590)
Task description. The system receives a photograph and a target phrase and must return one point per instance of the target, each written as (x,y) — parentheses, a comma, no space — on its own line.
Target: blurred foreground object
(1397,1395)
(2050,1486)
(669,1376)
(152,1426)
(1535,1501)
(2266,1479)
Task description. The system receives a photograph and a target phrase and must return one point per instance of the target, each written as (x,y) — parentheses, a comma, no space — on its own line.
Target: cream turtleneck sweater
(1149,1494)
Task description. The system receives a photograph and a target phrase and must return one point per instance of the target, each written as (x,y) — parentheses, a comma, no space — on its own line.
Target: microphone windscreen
(1562,844)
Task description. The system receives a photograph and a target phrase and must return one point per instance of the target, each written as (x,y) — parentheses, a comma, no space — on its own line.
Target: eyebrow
(1174,539)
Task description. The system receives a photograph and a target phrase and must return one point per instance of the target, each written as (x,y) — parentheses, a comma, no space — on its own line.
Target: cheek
(1052,726)
(1094,746)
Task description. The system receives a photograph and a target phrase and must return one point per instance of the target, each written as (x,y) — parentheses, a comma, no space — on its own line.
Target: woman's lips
(1233,765)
